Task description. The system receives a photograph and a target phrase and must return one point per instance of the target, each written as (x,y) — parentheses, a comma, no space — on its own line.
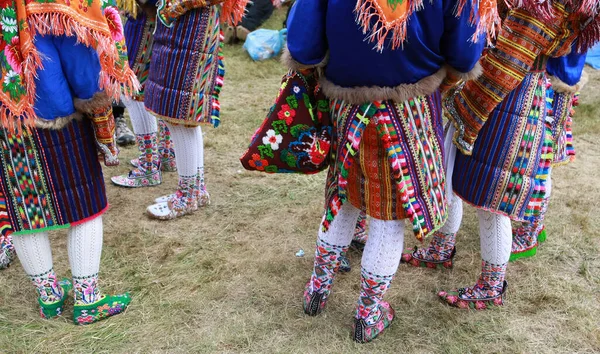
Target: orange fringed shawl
(391,16)
(94,26)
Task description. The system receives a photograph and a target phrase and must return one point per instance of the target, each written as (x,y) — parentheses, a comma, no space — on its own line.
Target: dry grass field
(227,280)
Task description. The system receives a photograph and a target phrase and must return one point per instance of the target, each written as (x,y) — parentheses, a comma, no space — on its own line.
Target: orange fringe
(114,79)
(367,10)
(233,11)
(488,16)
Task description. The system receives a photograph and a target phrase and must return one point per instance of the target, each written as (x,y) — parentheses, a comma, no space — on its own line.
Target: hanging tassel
(389,18)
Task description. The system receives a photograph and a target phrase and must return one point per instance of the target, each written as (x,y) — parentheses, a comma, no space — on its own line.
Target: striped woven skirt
(506,173)
(187,69)
(388,161)
(51,179)
(139,40)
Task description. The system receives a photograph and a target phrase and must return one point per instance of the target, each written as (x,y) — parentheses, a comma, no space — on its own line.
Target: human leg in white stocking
(441,249)
(380,261)
(147,172)
(85,248)
(495,238)
(35,255)
(331,244)
(188,147)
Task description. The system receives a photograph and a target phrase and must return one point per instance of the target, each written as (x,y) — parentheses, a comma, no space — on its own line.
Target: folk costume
(63,64)
(499,129)
(564,80)
(382,65)
(183,89)
(153,138)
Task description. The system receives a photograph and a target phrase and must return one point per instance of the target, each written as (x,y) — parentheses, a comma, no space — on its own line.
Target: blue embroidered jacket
(436,37)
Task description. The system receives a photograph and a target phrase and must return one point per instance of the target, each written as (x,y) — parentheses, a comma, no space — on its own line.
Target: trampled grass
(226,279)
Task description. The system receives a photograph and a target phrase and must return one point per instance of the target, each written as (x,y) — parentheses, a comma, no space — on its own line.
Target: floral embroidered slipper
(165,211)
(314,303)
(107,306)
(410,257)
(55,309)
(363,333)
(525,246)
(467,298)
(136,179)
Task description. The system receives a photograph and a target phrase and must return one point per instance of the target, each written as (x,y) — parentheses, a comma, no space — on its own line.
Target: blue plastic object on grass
(264,44)
(593,57)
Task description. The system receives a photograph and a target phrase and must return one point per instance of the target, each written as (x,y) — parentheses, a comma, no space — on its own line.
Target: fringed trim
(370,16)
(232,11)
(22,116)
(563,87)
(57,123)
(114,79)
(99,101)
(219,80)
(360,95)
(487,19)
(542,9)
(590,35)
(292,64)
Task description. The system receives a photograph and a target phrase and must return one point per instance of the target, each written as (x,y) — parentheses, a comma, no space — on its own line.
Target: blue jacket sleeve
(456,45)
(568,68)
(306,38)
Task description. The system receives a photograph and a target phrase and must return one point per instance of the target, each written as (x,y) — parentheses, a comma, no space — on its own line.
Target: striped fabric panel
(521,40)
(139,38)
(76,182)
(25,184)
(501,174)
(410,133)
(185,68)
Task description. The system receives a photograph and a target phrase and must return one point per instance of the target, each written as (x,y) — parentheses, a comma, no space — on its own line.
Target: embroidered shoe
(474,298)
(314,302)
(135,179)
(524,245)
(54,309)
(107,306)
(170,211)
(421,258)
(364,333)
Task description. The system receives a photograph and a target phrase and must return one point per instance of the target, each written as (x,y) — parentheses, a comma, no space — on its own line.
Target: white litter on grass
(300,253)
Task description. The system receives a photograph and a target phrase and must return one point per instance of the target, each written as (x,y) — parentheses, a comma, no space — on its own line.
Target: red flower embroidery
(13,54)
(258,163)
(318,151)
(287,113)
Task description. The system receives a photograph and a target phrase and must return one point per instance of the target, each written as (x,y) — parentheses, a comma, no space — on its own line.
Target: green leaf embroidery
(265,150)
(280,126)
